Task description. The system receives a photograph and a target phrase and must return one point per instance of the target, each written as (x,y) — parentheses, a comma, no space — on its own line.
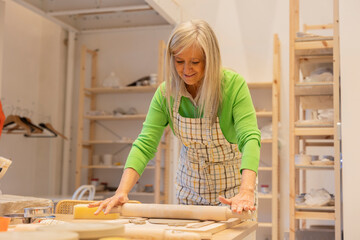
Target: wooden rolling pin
(216,213)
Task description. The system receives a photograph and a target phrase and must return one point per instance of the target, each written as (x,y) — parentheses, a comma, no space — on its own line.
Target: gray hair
(200,34)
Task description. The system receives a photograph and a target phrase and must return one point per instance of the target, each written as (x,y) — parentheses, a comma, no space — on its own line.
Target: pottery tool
(216,213)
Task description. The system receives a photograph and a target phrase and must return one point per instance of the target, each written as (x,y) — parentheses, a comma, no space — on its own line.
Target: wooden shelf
(314,167)
(315,131)
(253,85)
(313,123)
(269,140)
(87,127)
(307,55)
(308,47)
(264,196)
(123,117)
(134,89)
(315,208)
(319,143)
(315,215)
(314,88)
(264,114)
(265,169)
(265,224)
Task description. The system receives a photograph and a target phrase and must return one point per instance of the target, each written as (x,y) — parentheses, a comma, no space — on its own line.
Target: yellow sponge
(82,211)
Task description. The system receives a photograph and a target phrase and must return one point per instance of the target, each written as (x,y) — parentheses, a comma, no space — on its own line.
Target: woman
(210,110)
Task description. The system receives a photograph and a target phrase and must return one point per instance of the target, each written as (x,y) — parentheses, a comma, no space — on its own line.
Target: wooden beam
(80,129)
(294,28)
(100,10)
(315,215)
(317,27)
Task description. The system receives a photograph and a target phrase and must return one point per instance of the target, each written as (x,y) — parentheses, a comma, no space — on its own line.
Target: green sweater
(237,121)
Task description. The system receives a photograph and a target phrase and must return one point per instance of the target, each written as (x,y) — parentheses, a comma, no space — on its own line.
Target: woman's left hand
(244,201)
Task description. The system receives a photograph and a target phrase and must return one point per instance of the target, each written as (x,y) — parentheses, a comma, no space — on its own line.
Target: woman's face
(190,65)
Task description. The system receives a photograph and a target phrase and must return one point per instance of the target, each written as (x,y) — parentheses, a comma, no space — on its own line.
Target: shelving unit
(266,97)
(307,52)
(87,139)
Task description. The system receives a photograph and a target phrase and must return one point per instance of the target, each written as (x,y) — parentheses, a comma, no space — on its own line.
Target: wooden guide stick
(216,213)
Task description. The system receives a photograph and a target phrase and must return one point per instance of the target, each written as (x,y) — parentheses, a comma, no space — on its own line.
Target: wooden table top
(239,231)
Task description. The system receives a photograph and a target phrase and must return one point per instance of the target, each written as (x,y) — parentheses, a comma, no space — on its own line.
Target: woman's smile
(190,66)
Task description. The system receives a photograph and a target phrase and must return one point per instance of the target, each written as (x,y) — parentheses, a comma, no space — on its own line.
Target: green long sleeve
(237,121)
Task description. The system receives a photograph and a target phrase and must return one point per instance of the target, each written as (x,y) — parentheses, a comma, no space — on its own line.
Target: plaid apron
(209,165)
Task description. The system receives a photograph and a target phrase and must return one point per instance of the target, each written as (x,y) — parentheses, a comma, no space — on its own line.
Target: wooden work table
(244,230)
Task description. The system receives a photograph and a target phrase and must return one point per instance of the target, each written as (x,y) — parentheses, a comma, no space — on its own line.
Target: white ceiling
(85,15)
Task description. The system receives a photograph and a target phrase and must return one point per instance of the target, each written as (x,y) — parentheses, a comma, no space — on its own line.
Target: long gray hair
(200,34)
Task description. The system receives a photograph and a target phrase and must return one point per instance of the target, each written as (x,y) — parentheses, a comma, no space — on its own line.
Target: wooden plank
(157,180)
(270,140)
(307,27)
(314,88)
(265,224)
(315,215)
(314,47)
(314,167)
(313,123)
(80,129)
(167,157)
(240,231)
(161,61)
(265,168)
(264,114)
(265,196)
(337,152)
(254,85)
(294,28)
(314,131)
(319,144)
(316,208)
(275,123)
(92,135)
(277,72)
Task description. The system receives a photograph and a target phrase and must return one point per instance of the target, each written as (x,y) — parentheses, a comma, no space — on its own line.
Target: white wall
(350,97)
(32,81)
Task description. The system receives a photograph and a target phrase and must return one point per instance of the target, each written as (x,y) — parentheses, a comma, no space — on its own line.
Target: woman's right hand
(117,200)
